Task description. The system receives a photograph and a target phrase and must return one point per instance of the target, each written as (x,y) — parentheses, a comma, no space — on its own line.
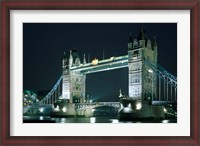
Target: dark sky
(44,44)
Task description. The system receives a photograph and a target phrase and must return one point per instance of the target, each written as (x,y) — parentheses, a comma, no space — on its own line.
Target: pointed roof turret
(65,61)
(154,41)
(74,54)
(70,54)
(142,35)
(64,55)
(130,38)
(84,60)
(120,93)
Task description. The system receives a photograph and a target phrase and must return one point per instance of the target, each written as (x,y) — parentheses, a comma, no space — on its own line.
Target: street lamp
(41,110)
(151,71)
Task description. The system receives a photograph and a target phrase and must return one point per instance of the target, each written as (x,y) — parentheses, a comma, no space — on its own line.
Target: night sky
(44,44)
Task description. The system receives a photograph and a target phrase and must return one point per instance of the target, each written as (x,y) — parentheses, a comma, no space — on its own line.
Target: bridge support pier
(141,110)
(65,109)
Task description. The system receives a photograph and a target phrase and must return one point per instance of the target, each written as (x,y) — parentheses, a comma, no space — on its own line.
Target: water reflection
(165,121)
(41,118)
(92,120)
(48,119)
(63,120)
(115,120)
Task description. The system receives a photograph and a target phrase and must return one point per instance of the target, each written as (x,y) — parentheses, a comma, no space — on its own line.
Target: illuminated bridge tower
(73,87)
(66,79)
(142,80)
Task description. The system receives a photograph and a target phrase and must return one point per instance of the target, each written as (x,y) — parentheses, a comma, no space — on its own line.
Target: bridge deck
(163,102)
(103,65)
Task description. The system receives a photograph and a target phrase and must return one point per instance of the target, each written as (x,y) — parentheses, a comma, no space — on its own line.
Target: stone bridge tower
(142,80)
(73,87)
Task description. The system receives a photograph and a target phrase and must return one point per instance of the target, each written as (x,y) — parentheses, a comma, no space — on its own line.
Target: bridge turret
(155,49)
(149,44)
(84,60)
(130,43)
(64,62)
(140,80)
(120,93)
(77,61)
(70,59)
(135,44)
(134,69)
(142,38)
(65,79)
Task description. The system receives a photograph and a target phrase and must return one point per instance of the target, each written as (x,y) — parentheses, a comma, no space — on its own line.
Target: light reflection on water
(37,119)
(41,118)
(92,120)
(165,121)
(115,120)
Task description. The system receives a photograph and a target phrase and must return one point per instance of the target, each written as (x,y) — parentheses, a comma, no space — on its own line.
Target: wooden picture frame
(7,6)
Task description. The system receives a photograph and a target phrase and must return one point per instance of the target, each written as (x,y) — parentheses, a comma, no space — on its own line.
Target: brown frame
(6,6)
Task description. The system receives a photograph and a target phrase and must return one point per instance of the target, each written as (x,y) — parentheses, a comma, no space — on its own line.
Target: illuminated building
(142,80)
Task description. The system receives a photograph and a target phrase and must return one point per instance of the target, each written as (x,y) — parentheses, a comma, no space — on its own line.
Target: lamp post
(151,71)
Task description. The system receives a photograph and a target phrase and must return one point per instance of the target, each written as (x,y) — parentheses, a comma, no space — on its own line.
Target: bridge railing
(166,84)
(53,94)
(96,104)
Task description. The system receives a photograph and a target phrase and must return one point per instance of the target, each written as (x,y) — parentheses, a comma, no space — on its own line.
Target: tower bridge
(147,80)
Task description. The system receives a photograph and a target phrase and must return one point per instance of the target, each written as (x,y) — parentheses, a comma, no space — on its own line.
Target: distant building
(29,98)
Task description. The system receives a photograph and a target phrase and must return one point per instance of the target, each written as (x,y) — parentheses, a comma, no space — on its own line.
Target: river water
(105,119)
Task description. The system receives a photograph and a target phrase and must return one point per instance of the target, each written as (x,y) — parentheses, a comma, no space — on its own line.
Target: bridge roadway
(103,65)
(162,102)
(82,109)
(86,109)
(81,106)
(96,104)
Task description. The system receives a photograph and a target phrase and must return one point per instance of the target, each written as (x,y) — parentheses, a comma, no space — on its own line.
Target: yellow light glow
(57,108)
(165,110)
(111,58)
(129,105)
(138,106)
(92,120)
(41,110)
(95,61)
(115,121)
(64,109)
(151,71)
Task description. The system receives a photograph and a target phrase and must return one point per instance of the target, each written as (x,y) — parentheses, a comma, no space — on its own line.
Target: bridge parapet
(93,105)
(163,102)
(53,95)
